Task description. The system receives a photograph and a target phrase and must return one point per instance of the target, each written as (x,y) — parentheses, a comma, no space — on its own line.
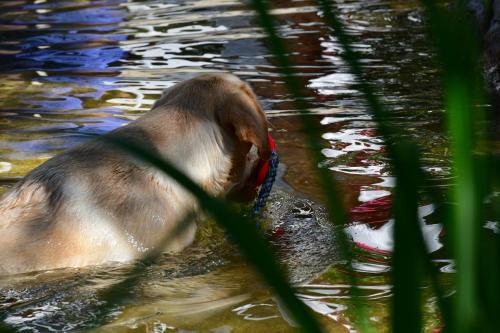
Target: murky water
(70,68)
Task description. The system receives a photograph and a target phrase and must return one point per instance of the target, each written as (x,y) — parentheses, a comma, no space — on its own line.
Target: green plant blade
(390,134)
(118,293)
(457,49)
(408,257)
(329,186)
(241,229)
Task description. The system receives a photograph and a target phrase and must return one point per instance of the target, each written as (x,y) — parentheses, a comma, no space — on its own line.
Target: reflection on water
(70,68)
(381,240)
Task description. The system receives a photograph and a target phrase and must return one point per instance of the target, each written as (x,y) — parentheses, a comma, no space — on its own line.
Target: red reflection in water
(375,212)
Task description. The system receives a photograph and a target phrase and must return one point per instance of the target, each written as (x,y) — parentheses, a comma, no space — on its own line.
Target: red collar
(264,164)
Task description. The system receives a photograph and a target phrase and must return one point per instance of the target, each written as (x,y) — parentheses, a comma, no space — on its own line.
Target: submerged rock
(302,235)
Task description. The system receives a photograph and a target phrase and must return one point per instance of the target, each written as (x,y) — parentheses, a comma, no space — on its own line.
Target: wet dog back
(94,204)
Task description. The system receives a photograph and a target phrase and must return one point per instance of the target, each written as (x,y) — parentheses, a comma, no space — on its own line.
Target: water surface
(74,68)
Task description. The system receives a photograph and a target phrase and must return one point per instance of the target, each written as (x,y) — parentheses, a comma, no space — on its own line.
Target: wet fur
(94,204)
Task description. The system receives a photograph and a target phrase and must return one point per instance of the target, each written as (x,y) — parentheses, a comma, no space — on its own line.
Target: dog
(95,204)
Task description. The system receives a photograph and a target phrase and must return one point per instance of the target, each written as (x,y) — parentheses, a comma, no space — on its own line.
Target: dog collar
(264,164)
(266,177)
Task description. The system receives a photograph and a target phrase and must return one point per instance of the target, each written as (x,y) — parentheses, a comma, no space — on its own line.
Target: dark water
(70,68)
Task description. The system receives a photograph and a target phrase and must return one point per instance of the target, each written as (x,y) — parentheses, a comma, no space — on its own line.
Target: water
(73,68)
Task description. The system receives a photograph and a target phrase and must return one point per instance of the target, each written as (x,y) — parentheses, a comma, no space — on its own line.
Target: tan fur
(94,204)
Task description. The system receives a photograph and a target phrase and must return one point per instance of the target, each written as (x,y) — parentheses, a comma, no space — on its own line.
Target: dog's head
(229,102)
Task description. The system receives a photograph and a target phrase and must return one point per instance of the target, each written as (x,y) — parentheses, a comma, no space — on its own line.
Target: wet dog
(94,204)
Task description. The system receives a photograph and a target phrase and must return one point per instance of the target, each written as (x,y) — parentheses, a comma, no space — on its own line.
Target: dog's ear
(242,114)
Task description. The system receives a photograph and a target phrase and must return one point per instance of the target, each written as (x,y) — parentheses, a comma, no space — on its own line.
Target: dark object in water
(487,17)
(302,235)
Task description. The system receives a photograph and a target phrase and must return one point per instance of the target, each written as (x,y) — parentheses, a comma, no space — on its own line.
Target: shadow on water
(70,68)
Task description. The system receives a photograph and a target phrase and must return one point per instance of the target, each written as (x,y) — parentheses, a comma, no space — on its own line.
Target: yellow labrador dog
(94,204)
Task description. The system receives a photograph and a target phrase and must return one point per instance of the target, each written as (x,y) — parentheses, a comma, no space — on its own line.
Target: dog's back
(94,204)
(88,206)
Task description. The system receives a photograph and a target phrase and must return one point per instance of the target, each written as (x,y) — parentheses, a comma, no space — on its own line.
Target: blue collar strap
(267,185)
